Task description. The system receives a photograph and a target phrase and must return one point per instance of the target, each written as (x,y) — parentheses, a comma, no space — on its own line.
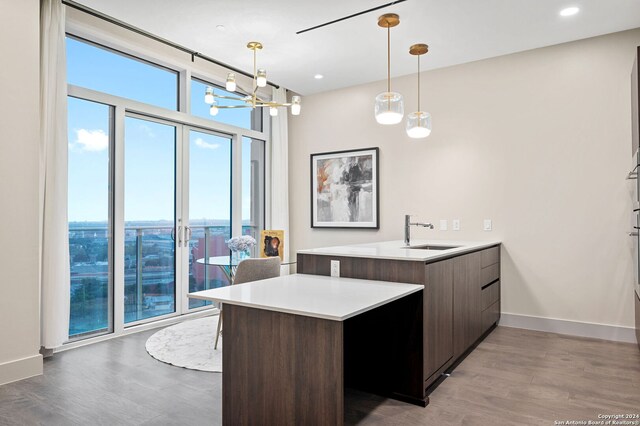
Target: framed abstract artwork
(344,189)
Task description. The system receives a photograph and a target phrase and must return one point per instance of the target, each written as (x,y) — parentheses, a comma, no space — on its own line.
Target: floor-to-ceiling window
(149,219)
(209,208)
(90,161)
(153,187)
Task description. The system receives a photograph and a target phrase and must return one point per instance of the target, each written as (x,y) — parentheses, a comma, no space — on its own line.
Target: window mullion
(180,217)
(236,185)
(184,92)
(118,221)
(267,170)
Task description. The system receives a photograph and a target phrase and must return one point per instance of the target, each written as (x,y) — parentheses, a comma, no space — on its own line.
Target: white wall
(19,133)
(539,141)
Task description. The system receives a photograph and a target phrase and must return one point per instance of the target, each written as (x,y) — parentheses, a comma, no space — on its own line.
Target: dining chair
(251,270)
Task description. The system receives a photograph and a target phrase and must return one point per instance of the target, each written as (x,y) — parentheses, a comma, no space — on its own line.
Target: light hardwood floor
(514,377)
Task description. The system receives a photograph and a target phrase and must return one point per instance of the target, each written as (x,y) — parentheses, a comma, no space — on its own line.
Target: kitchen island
(460,305)
(290,344)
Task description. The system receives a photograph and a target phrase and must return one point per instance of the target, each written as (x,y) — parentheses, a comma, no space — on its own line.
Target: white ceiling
(354,51)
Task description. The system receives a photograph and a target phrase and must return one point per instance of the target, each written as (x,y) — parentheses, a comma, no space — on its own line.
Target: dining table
(229,264)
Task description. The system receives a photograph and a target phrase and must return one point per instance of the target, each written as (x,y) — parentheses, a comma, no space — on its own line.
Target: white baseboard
(19,369)
(572,328)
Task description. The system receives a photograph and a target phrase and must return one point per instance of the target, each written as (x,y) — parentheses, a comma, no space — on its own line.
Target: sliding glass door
(208,208)
(149,219)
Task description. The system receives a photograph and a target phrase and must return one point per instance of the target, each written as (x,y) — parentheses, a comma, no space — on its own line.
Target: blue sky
(149,146)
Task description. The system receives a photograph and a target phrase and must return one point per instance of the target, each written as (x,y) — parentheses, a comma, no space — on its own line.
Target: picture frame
(345,189)
(271,243)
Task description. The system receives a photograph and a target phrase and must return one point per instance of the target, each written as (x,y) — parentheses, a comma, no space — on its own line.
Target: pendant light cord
(388,59)
(255,79)
(419,83)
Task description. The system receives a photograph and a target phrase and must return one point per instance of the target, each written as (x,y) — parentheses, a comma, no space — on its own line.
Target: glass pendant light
(261,79)
(295,105)
(213,109)
(231,82)
(389,107)
(418,123)
(208,95)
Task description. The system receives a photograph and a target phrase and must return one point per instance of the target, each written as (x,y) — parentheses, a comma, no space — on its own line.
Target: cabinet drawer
(490,316)
(490,295)
(489,274)
(490,256)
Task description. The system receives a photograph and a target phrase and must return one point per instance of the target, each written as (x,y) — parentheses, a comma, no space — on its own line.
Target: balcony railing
(149,271)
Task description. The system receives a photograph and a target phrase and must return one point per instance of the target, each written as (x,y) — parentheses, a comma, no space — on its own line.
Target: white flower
(242,243)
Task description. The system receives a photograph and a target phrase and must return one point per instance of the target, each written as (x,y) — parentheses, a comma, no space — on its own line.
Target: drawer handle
(490,284)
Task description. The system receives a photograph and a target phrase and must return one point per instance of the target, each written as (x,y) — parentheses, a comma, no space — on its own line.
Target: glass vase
(239,255)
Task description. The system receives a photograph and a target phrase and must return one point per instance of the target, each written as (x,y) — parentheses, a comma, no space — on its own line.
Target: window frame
(120,108)
(142,60)
(110,229)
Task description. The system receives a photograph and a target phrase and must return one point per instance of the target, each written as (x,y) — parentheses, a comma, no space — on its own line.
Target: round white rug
(189,345)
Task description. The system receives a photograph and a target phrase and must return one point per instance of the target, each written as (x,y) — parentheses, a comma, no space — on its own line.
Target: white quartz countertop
(311,295)
(396,250)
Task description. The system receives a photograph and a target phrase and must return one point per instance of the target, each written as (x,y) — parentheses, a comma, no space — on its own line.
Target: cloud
(92,140)
(147,131)
(206,145)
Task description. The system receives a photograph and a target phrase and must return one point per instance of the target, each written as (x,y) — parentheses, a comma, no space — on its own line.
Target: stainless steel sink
(432,247)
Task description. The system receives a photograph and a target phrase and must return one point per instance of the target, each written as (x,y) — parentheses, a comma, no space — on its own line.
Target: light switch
(443,224)
(487,225)
(335,268)
(456,224)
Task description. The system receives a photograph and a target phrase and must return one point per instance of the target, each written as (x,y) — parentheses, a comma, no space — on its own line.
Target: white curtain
(280,170)
(54,244)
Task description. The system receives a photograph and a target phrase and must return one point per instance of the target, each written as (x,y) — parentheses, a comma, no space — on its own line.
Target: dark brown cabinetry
(461,301)
(490,288)
(438,316)
(476,295)
(467,313)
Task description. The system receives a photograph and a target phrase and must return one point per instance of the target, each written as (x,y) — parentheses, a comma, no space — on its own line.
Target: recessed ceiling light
(569,11)
(220,27)
(318,76)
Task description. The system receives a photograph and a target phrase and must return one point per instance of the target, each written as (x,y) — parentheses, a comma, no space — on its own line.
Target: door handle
(633,234)
(187,235)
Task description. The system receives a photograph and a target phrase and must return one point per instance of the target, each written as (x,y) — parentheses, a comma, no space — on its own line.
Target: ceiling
(353,52)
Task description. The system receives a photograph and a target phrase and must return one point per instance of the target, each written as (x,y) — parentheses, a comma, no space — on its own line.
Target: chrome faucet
(407,228)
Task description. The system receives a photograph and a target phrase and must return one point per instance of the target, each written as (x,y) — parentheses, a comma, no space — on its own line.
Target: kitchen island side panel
(280,368)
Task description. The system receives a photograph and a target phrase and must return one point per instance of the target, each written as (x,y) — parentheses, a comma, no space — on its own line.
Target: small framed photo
(344,189)
(271,243)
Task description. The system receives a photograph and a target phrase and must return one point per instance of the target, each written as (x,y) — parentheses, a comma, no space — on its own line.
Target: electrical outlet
(335,268)
(443,224)
(456,224)
(487,225)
